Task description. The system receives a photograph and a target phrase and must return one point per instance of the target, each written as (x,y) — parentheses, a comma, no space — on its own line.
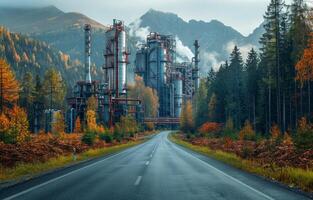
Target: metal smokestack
(87,29)
(196,60)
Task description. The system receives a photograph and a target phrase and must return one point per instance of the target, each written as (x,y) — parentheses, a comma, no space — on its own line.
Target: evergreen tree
(252,79)
(234,99)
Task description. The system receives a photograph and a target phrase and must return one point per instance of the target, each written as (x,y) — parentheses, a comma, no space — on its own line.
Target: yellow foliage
(58,126)
(91,120)
(275,131)
(14,126)
(247,131)
(147,95)
(186,117)
(78,127)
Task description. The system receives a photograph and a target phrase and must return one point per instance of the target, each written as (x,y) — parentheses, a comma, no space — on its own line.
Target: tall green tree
(54,89)
(234,100)
(252,78)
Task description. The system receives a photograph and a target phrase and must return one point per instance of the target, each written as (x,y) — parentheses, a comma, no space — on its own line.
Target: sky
(243,15)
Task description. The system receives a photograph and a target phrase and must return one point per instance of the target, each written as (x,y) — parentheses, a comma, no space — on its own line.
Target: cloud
(210,60)
(183,52)
(244,49)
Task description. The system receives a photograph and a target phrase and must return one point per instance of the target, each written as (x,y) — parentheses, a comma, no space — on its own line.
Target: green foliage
(89,137)
(107,137)
(127,127)
(53,89)
(303,139)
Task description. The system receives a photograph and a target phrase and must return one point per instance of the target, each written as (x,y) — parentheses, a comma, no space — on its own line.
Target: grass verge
(293,177)
(28,170)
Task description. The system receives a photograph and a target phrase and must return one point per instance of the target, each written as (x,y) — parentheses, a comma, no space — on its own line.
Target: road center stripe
(138,180)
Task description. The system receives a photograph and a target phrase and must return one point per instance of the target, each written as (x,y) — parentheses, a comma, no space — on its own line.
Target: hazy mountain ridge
(64,31)
(216,39)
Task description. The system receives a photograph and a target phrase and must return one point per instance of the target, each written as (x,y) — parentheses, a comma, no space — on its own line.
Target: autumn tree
(14,126)
(9,87)
(78,127)
(304,69)
(92,103)
(58,125)
(27,97)
(91,120)
(147,95)
(186,117)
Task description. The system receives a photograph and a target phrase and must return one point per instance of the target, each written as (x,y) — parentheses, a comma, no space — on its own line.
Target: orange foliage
(304,67)
(14,126)
(209,127)
(247,132)
(91,119)
(78,127)
(275,131)
(9,87)
(58,125)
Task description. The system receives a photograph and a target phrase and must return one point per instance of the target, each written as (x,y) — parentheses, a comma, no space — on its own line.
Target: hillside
(61,30)
(25,54)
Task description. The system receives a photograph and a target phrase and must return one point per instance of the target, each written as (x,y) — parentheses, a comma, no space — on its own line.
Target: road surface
(155,170)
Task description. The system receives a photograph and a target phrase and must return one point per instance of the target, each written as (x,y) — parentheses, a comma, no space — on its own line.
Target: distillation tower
(111,91)
(174,82)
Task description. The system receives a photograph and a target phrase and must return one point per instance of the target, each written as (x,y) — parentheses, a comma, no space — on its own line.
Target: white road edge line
(60,177)
(228,176)
(147,163)
(138,180)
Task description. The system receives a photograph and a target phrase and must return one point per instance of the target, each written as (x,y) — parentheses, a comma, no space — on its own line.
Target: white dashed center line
(138,180)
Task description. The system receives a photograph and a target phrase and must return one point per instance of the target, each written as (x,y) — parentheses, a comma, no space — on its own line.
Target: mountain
(25,54)
(61,30)
(216,39)
(64,31)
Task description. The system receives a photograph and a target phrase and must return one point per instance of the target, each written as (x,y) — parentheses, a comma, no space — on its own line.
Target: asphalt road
(155,170)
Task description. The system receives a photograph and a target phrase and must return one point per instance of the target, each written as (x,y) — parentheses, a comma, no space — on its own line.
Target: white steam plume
(244,49)
(183,52)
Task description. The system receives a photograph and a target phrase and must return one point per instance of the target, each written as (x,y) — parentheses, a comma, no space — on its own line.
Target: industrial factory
(155,62)
(173,81)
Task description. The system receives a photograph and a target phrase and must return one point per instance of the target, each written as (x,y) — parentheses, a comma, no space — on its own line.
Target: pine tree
(201,111)
(252,79)
(53,89)
(234,99)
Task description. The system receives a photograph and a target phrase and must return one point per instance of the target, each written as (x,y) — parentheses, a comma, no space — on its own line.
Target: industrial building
(111,91)
(174,82)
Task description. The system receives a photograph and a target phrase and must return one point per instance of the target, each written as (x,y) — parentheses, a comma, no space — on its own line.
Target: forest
(259,109)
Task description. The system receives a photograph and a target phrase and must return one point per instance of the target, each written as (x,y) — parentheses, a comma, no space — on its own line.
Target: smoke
(244,49)
(210,60)
(139,32)
(183,52)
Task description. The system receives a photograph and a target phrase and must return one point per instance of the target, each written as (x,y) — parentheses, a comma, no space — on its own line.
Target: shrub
(89,137)
(304,135)
(106,137)
(247,132)
(275,132)
(229,130)
(209,128)
(150,126)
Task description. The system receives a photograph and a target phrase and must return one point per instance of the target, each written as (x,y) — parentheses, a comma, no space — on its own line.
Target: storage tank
(116,58)
(141,62)
(178,95)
